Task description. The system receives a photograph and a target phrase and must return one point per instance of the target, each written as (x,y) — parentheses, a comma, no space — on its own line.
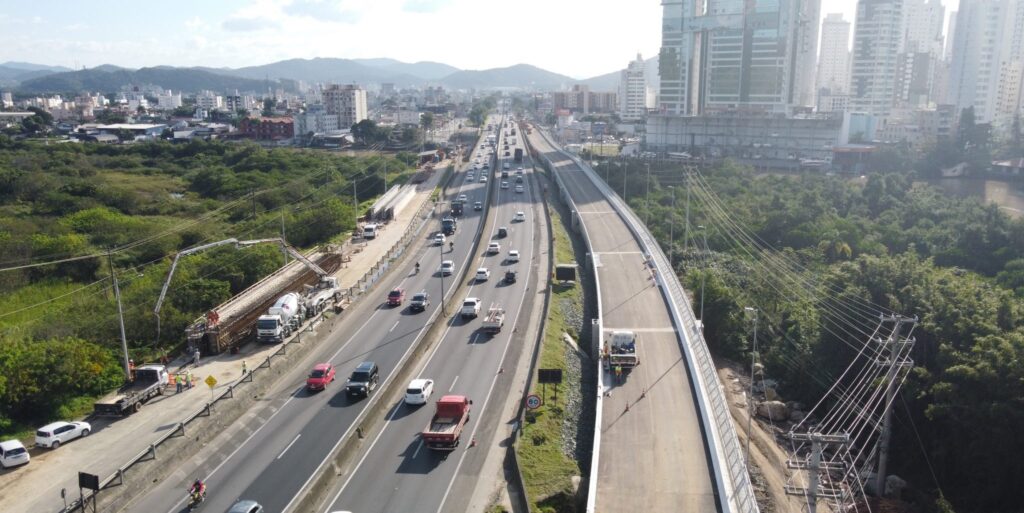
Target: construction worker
(188,379)
(179,382)
(243,368)
(618,374)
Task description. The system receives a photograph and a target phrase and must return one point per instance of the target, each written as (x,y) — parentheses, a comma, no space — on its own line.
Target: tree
(268,107)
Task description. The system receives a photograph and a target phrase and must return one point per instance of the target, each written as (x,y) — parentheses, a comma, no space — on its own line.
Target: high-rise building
(348,102)
(834,61)
(751,55)
(877,44)
(988,48)
(950,35)
(633,91)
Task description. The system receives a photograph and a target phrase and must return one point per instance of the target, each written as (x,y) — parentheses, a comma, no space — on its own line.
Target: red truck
(444,430)
(395,297)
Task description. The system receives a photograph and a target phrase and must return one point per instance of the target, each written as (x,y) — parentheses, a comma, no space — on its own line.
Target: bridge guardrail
(733,480)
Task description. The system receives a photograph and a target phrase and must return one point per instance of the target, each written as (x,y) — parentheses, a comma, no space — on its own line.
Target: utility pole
(284,250)
(814,467)
(120,316)
(671,231)
(892,348)
(753,355)
(686,229)
(647,201)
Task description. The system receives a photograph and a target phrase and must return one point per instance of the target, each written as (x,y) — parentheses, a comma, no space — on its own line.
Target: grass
(547,471)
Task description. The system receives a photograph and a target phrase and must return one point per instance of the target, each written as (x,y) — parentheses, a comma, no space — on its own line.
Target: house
(267,129)
(1014,167)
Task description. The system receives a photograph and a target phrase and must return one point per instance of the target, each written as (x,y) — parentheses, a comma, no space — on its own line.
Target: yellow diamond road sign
(211,381)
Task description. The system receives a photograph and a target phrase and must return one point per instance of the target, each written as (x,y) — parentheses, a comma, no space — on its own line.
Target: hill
(112,79)
(518,76)
(610,81)
(322,69)
(29,66)
(424,69)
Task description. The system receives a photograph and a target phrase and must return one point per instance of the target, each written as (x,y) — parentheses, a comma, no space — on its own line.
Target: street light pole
(753,354)
(647,201)
(671,230)
(440,251)
(703,275)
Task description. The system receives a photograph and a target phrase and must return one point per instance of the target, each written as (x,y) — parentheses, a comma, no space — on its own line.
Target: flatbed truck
(445,428)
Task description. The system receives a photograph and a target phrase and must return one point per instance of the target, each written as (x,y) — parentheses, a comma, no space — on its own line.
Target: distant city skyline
(237,33)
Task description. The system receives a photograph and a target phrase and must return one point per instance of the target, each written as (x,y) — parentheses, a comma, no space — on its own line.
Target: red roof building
(267,129)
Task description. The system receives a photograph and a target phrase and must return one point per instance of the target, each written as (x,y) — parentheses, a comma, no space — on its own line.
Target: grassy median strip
(546,449)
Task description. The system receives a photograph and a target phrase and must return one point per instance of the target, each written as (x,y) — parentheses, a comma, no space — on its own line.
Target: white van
(370,231)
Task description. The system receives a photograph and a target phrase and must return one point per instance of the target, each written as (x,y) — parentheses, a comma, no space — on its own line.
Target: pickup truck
(149,382)
(470,307)
(445,428)
(494,320)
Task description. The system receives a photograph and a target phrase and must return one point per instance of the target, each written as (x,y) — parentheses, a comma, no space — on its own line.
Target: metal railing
(729,466)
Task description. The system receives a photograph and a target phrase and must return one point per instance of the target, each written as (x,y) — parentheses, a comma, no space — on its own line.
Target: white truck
(320,296)
(620,351)
(281,319)
(470,307)
(494,320)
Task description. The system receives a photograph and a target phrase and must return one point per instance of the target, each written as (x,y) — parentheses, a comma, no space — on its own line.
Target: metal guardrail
(116,478)
(730,470)
(599,402)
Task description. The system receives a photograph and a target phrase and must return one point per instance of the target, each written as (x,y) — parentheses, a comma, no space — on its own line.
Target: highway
(271,453)
(652,455)
(397,473)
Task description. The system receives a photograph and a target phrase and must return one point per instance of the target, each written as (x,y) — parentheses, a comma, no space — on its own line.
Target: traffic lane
(465,371)
(465,363)
(241,481)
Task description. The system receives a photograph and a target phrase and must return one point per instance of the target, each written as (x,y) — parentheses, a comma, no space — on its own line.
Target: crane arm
(174,266)
(291,251)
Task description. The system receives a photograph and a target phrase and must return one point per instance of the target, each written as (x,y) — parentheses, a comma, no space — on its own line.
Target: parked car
(12,454)
(482,274)
(418,392)
(246,507)
(52,435)
(321,375)
(493,248)
(447,267)
(363,380)
(513,256)
(395,297)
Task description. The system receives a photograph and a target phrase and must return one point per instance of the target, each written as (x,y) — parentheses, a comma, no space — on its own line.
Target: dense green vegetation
(59,340)
(957,265)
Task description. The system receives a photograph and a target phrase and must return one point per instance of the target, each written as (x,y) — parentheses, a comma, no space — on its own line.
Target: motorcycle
(195,499)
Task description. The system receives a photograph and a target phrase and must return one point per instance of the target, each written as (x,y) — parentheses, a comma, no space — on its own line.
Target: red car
(323,373)
(395,297)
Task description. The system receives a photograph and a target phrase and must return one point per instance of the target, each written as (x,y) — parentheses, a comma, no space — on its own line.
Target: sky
(579,38)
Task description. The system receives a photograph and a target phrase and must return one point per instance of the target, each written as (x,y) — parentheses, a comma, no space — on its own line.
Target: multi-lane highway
(652,455)
(270,455)
(398,473)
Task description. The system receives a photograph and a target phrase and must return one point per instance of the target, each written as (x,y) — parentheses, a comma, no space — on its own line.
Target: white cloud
(196,24)
(249,24)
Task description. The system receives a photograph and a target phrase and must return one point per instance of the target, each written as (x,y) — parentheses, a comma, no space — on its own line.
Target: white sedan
(482,274)
(52,435)
(519,217)
(513,256)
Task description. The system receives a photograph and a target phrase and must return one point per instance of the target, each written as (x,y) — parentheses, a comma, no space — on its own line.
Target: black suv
(363,380)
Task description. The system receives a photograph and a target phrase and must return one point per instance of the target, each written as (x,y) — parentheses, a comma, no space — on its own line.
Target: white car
(462,197)
(483,178)
(12,454)
(482,274)
(418,391)
(513,256)
(52,435)
(519,188)
(439,239)
(493,248)
(447,267)
(520,216)
(504,185)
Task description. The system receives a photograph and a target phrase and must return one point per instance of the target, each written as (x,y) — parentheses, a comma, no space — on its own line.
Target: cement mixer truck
(281,319)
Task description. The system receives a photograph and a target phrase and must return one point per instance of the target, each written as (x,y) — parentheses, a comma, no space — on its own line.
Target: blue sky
(580,38)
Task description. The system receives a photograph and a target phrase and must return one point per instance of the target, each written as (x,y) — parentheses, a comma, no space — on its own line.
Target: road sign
(549,376)
(210,381)
(533,401)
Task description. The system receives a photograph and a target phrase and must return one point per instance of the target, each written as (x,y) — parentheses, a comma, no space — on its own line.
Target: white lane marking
(487,399)
(296,439)
(418,447)
(453,384)
(393,327)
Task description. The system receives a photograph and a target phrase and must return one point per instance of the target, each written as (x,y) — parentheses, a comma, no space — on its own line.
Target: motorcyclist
(198,490)
(417,267)
(451,246)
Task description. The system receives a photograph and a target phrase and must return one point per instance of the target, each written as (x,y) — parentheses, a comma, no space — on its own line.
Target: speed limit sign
(533,401)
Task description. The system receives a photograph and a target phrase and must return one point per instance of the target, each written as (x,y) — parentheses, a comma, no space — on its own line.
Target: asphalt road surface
(653,456)
(398,473)
(269,455)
